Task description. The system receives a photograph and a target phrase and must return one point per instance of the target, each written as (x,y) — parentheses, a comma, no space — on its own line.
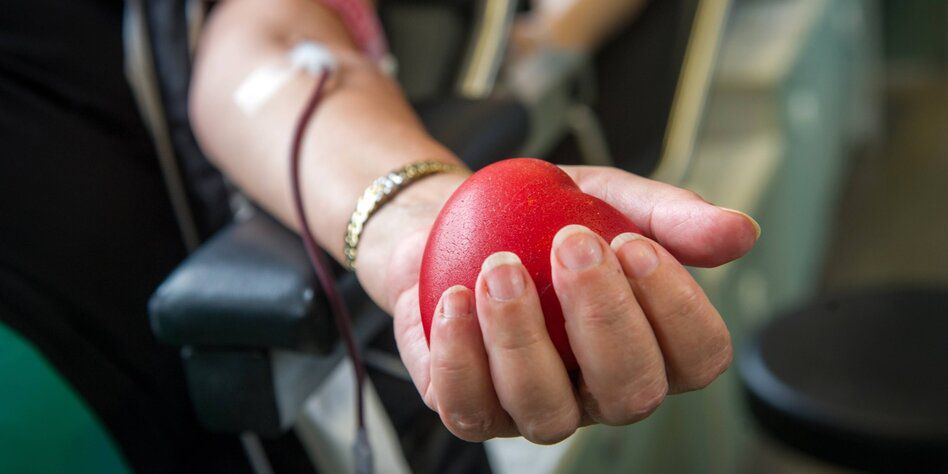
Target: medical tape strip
(257,89)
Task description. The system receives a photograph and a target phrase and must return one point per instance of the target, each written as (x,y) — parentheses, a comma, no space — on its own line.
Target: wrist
(393,240)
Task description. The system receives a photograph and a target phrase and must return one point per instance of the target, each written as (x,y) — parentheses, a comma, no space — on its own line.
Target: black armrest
(250,285)
(245,309)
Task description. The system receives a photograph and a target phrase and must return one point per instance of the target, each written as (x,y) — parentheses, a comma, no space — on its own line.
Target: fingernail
(744,215)
(577,247)
(638,257)
(504,277)
(455,302)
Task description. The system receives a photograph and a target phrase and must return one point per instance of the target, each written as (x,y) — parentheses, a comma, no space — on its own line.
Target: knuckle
(721,354)
(519,340)
(550,430)
(689,195)
(443,366)
(473,426)
(635,406)
(689,301)
(605,312)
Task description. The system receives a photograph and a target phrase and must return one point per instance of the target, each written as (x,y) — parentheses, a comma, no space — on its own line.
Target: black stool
(860,380)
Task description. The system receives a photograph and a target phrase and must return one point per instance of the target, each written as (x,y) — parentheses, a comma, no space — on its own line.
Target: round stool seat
(860,379)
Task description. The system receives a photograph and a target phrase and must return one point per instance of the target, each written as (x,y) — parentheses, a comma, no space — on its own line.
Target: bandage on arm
(364,126)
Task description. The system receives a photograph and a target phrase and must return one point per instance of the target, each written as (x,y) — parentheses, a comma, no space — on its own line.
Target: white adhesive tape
(307,56)
(312,57)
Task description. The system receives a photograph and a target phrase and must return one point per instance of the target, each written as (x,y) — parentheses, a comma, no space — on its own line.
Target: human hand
(638,323)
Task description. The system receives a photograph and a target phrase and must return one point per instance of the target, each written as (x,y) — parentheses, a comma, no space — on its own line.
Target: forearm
(363,128)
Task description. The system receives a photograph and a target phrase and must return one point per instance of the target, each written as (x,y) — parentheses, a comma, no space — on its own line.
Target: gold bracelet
(381,191)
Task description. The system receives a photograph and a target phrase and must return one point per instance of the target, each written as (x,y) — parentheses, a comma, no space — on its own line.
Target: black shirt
(87,231)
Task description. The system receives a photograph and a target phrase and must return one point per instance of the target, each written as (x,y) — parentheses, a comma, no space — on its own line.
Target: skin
(491,370)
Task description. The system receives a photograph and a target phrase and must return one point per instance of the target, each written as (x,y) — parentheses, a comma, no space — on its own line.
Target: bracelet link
(381,191)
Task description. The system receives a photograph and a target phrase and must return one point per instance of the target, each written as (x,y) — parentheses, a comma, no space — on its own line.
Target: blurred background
(826,120)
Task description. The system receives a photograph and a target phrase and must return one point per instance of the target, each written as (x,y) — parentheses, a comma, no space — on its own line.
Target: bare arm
(363,129)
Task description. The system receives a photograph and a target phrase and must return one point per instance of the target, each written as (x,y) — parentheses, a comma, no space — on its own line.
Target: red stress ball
(515,205)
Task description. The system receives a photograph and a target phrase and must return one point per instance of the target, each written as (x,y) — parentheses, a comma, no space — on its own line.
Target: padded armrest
(250,285)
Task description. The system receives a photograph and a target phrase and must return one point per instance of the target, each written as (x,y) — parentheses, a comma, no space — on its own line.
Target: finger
(460,375)
(621,362)
(412,345)
(693,337)
(693,230)
(529,376)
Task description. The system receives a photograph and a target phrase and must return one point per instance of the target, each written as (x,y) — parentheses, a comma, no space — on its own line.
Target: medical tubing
(361,450)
